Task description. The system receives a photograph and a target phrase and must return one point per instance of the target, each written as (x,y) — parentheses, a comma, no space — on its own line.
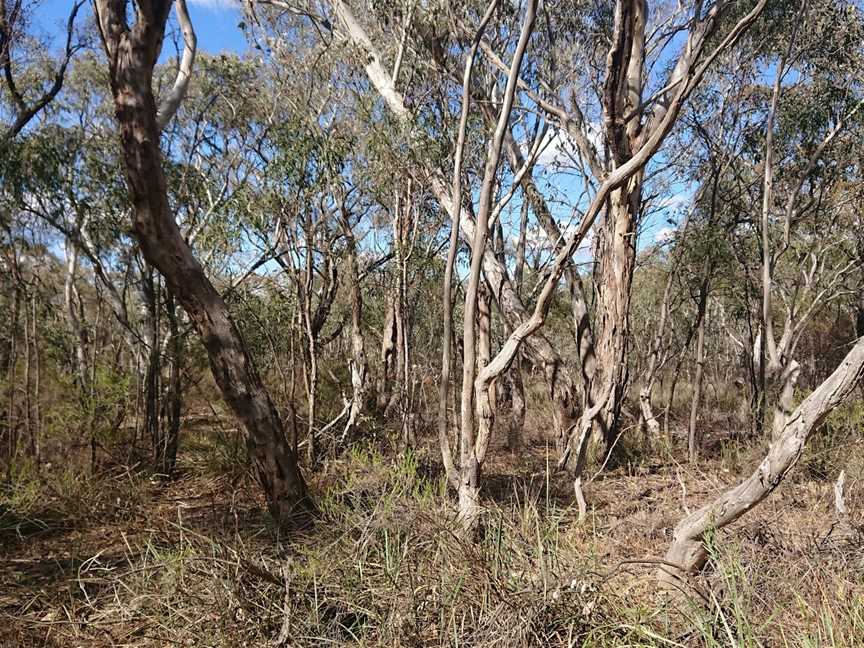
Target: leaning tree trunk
(687,553)
(132,54)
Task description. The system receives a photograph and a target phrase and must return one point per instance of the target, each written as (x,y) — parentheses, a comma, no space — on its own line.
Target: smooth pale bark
(358,364)
(447,297)
(473,449)
(506,297)
(132,54)
(484,335)
(687,553)
(172,100)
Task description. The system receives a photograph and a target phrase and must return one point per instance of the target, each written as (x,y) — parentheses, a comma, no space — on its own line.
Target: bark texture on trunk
(687,553)
(616,259)
(359,366)
(388,357)
(132,53)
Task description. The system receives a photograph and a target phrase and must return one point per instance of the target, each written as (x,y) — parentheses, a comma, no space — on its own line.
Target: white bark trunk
(687,553)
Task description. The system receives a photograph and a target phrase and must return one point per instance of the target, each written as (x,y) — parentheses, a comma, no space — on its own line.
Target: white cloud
(558,149)
(665,234)
(673,202)
(536,239)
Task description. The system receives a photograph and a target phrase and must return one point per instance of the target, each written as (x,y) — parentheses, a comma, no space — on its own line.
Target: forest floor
(126,559)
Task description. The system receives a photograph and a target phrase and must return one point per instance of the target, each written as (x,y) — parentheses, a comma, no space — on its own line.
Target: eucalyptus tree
(634,127)
(132,52)
(800,238)
(804,191)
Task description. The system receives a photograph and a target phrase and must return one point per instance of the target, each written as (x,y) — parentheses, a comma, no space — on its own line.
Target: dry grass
(126,561)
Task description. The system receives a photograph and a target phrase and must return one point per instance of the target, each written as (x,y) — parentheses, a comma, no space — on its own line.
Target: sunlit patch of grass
(385,564)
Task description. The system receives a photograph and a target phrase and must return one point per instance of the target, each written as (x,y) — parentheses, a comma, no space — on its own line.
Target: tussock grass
(195,562)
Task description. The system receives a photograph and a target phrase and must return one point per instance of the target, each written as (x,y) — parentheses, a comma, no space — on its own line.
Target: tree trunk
(784,397)
(388,358)
(517,407)
(37,388)
(11,416)
(687,553)
(616,258)
(132,54)
(172,401)
(484,336)
(28,376)
(694,437)
(70,294)
(150,294)
(311,354)
(358,365)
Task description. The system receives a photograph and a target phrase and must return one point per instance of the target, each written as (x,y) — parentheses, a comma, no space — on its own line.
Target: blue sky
(215,23)
(216,26)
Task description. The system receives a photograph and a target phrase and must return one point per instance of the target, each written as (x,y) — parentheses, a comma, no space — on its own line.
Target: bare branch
(171,102)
